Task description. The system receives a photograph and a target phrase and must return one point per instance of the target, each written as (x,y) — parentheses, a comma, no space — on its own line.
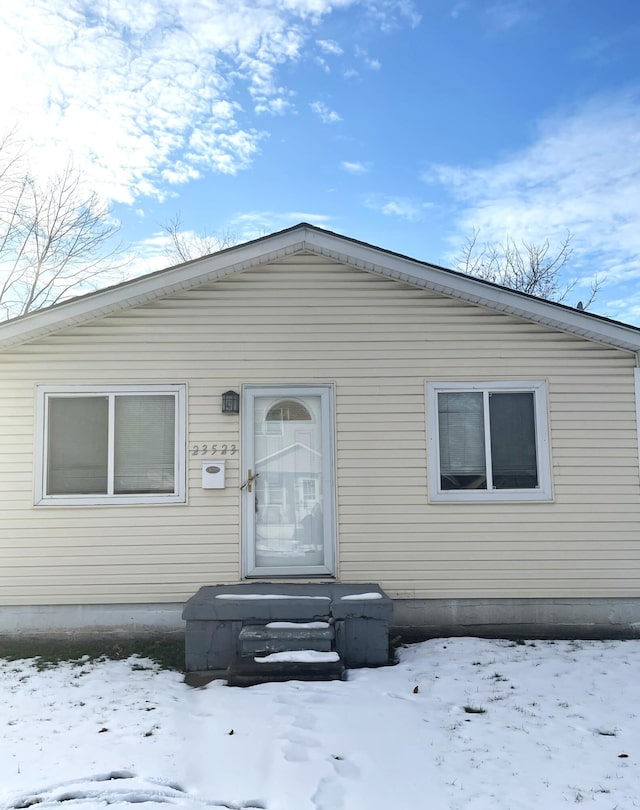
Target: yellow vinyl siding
(378,341)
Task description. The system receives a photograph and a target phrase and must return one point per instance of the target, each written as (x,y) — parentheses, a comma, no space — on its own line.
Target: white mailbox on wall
(213,474)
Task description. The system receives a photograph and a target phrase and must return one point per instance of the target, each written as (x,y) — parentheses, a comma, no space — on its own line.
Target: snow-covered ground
(458,723)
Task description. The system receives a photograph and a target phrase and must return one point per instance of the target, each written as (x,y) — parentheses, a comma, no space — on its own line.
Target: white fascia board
(467,288)
(338,248)
(140,291)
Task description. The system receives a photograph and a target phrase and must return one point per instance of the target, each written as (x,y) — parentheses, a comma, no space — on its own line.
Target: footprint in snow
(295,746)
(328,795)
(345,768)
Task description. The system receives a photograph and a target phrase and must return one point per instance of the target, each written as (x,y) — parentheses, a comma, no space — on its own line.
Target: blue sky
(404,124)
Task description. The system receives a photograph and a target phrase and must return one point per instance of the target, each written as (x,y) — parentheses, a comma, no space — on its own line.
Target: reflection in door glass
(288,492)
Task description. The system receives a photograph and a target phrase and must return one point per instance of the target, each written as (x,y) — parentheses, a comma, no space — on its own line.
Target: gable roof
(305,238)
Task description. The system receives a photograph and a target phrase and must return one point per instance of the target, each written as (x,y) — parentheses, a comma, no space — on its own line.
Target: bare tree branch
(55,238)
(187,245)
(532,268)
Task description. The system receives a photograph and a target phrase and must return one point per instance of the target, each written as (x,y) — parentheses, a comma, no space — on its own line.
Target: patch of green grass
(166,652)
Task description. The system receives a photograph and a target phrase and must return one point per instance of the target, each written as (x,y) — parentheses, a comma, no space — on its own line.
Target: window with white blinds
(123,445)
(488,441)
(145,443)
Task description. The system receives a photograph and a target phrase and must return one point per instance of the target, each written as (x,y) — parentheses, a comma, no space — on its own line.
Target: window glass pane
(144,452)
(461,434)
(77,445)
(289,511)
(513,440)
(288,410)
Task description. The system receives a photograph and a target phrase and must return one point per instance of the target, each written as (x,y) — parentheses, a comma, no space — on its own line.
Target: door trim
(326,392)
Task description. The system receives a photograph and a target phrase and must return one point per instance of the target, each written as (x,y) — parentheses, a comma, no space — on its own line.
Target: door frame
(281,390)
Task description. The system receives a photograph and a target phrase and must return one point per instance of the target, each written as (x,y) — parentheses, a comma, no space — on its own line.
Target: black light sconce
(230,402)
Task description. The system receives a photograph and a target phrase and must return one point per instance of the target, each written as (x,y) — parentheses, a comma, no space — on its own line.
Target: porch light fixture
(230,402)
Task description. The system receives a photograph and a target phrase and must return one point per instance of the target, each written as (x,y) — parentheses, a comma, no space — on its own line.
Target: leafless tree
(187,245)
(531,268)
(54,237)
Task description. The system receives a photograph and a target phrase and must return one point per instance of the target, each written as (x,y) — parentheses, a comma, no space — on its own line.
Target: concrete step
(282,636)
(300,665)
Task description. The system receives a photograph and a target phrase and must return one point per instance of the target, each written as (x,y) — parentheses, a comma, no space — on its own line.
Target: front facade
(472,450)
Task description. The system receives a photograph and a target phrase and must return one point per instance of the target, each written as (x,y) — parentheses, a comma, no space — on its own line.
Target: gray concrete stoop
(285,651)
(259,632)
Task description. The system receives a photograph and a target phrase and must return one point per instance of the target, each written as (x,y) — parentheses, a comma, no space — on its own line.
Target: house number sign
(213,449)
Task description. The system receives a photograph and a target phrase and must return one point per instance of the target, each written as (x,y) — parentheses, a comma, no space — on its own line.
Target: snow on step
(298,657)
(283,625)
(259,596)
(285,636)
(288,665)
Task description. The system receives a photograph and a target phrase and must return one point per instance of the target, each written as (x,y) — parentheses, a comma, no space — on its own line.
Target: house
(471,449)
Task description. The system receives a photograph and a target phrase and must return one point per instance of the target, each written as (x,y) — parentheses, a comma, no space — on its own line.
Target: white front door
(288,474)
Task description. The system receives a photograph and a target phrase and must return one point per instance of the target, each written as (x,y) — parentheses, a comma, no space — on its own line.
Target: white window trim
(42,394)
(544,490)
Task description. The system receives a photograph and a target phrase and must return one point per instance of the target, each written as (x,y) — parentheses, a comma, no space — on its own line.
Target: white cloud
(370,62)
(144,94)
(508,14)
(582,174)
(330,46)
(459,7)
(325,113)
(626,309)
(402,207)
(252,224)
(388,13)
(180,172)
(275,106)
(355,167)
(154,252)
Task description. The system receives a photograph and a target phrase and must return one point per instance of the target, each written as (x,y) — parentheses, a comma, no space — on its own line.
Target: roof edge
(147,288)
(354,253)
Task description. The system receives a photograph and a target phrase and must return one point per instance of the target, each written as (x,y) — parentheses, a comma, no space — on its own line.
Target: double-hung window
(488,441)
(111,444)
